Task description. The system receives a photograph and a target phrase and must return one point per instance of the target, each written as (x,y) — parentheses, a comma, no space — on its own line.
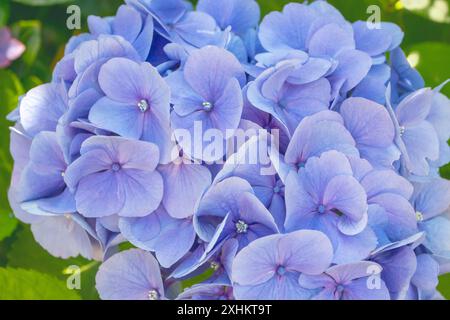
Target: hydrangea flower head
(294,156)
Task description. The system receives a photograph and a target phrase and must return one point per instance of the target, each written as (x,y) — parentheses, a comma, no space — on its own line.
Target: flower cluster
(342,201)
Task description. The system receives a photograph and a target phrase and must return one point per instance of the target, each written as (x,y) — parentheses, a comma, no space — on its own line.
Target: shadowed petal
(129,275)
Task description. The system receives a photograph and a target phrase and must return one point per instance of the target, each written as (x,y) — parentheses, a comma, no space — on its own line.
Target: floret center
(215,265)
(281,270)
(207,106)
(321,208)
(419,216)
(153,295)
(115,167)
(143,105)
(241,227)
(340,288)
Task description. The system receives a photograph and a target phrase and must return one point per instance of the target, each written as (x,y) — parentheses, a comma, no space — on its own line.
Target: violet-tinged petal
(316,134)
(353,66)
(240,15)
(358,290)
(103,48)
(345,194)
(143,191)
(210,81)
(217,202)
(252,211)
(121,25)
(10,48)
(398,268)
(19,148)
(117,169)
(329,41)
(285,289)
(118,117)
(287,30)
(62,237)
(431,198)
(401,216)
(415,107)
(386,181)
(329,165)
(426,275)
(255,263)
(311,70)
(370,125)
(98,25)
(104,185)
(169,238)
(126,81)
(183,186)
(278,260)
(142,231)
(197,29)
(437,236)
(207,291)
(354,248)
(184,99)
(422,144)
(371,40)
(41,108)
(315,248)
(92,162)
(130,275)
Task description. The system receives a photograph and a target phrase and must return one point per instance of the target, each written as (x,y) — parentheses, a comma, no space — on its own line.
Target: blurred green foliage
(26,270)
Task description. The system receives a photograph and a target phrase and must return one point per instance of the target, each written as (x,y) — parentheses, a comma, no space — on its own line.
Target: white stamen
(402,130)
(207,106)
(143,105)
(419,216)
(241,227)
(215,265)
(153,295)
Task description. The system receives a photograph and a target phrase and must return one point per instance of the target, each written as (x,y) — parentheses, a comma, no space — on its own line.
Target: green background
(26,270)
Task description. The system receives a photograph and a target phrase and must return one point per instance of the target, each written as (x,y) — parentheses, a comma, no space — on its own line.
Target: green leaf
(197,279)
(20,284)
(444,285)
(445,171)
(29,32)
(26,253)
(7,225)
(4,13)
(432,58)
(42,2)
(10,90)
(31,82)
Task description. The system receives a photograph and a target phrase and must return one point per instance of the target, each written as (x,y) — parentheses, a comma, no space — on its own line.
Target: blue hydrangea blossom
(343,199)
